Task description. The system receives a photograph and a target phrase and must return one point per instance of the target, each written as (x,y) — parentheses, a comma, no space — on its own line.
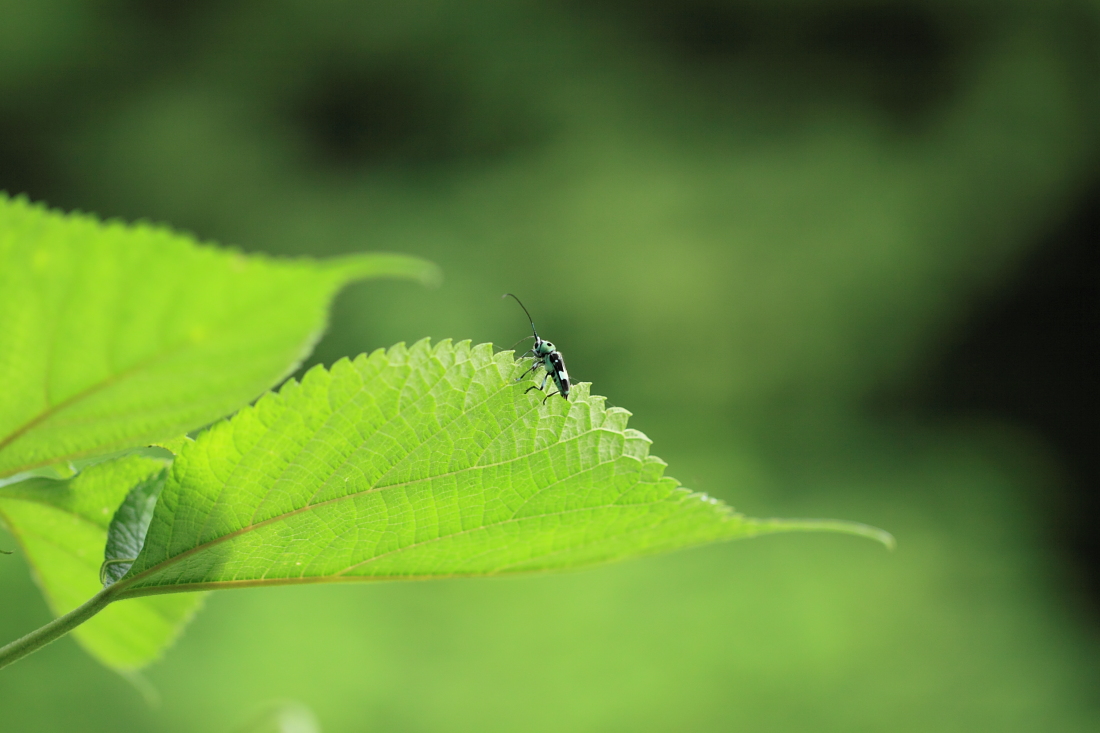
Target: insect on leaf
(420,462)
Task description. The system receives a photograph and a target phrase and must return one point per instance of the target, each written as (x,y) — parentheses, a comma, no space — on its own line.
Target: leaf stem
(55,629)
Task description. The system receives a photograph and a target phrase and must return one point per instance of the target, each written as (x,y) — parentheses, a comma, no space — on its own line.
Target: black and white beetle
(546,356)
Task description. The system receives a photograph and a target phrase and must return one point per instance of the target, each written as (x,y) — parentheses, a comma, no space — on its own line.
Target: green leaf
(62,528)
(126,533)
(416,463)
(114,336)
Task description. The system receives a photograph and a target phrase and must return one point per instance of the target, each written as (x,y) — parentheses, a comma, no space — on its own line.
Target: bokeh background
(837,256)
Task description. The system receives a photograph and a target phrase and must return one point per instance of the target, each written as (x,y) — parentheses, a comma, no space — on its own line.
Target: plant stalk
(55,629)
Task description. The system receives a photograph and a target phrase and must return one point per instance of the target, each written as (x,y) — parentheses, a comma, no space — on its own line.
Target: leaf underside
(420,462)
(114,336)
(62,528)
(126,533)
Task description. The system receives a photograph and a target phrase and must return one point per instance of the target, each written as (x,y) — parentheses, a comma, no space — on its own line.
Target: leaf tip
(383,264)
(767,526)
(431,275)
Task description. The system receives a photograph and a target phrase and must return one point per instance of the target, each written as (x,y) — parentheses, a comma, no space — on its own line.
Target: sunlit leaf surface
(420,462)
(113,336)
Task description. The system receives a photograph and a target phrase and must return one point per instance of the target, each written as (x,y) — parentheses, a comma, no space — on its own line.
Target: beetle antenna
(521,305)
(522,339)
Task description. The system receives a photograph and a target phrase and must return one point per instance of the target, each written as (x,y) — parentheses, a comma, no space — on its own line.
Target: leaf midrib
(397,413)
(168,562)
(342,577)
(501,523)
(68,402)
(168,352)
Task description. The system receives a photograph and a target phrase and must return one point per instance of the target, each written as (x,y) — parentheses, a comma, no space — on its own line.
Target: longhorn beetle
(545,355)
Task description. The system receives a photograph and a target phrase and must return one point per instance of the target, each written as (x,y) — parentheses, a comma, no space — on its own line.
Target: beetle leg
(533,367)
(541,387)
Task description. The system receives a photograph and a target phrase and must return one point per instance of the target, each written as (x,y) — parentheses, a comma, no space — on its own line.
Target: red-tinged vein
(343,574)
(88,392)
(167,562)
(49,412)
(389,421)
(502,523)
(302,446)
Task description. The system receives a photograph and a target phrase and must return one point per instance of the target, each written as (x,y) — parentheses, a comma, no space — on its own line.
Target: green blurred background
(834,255)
